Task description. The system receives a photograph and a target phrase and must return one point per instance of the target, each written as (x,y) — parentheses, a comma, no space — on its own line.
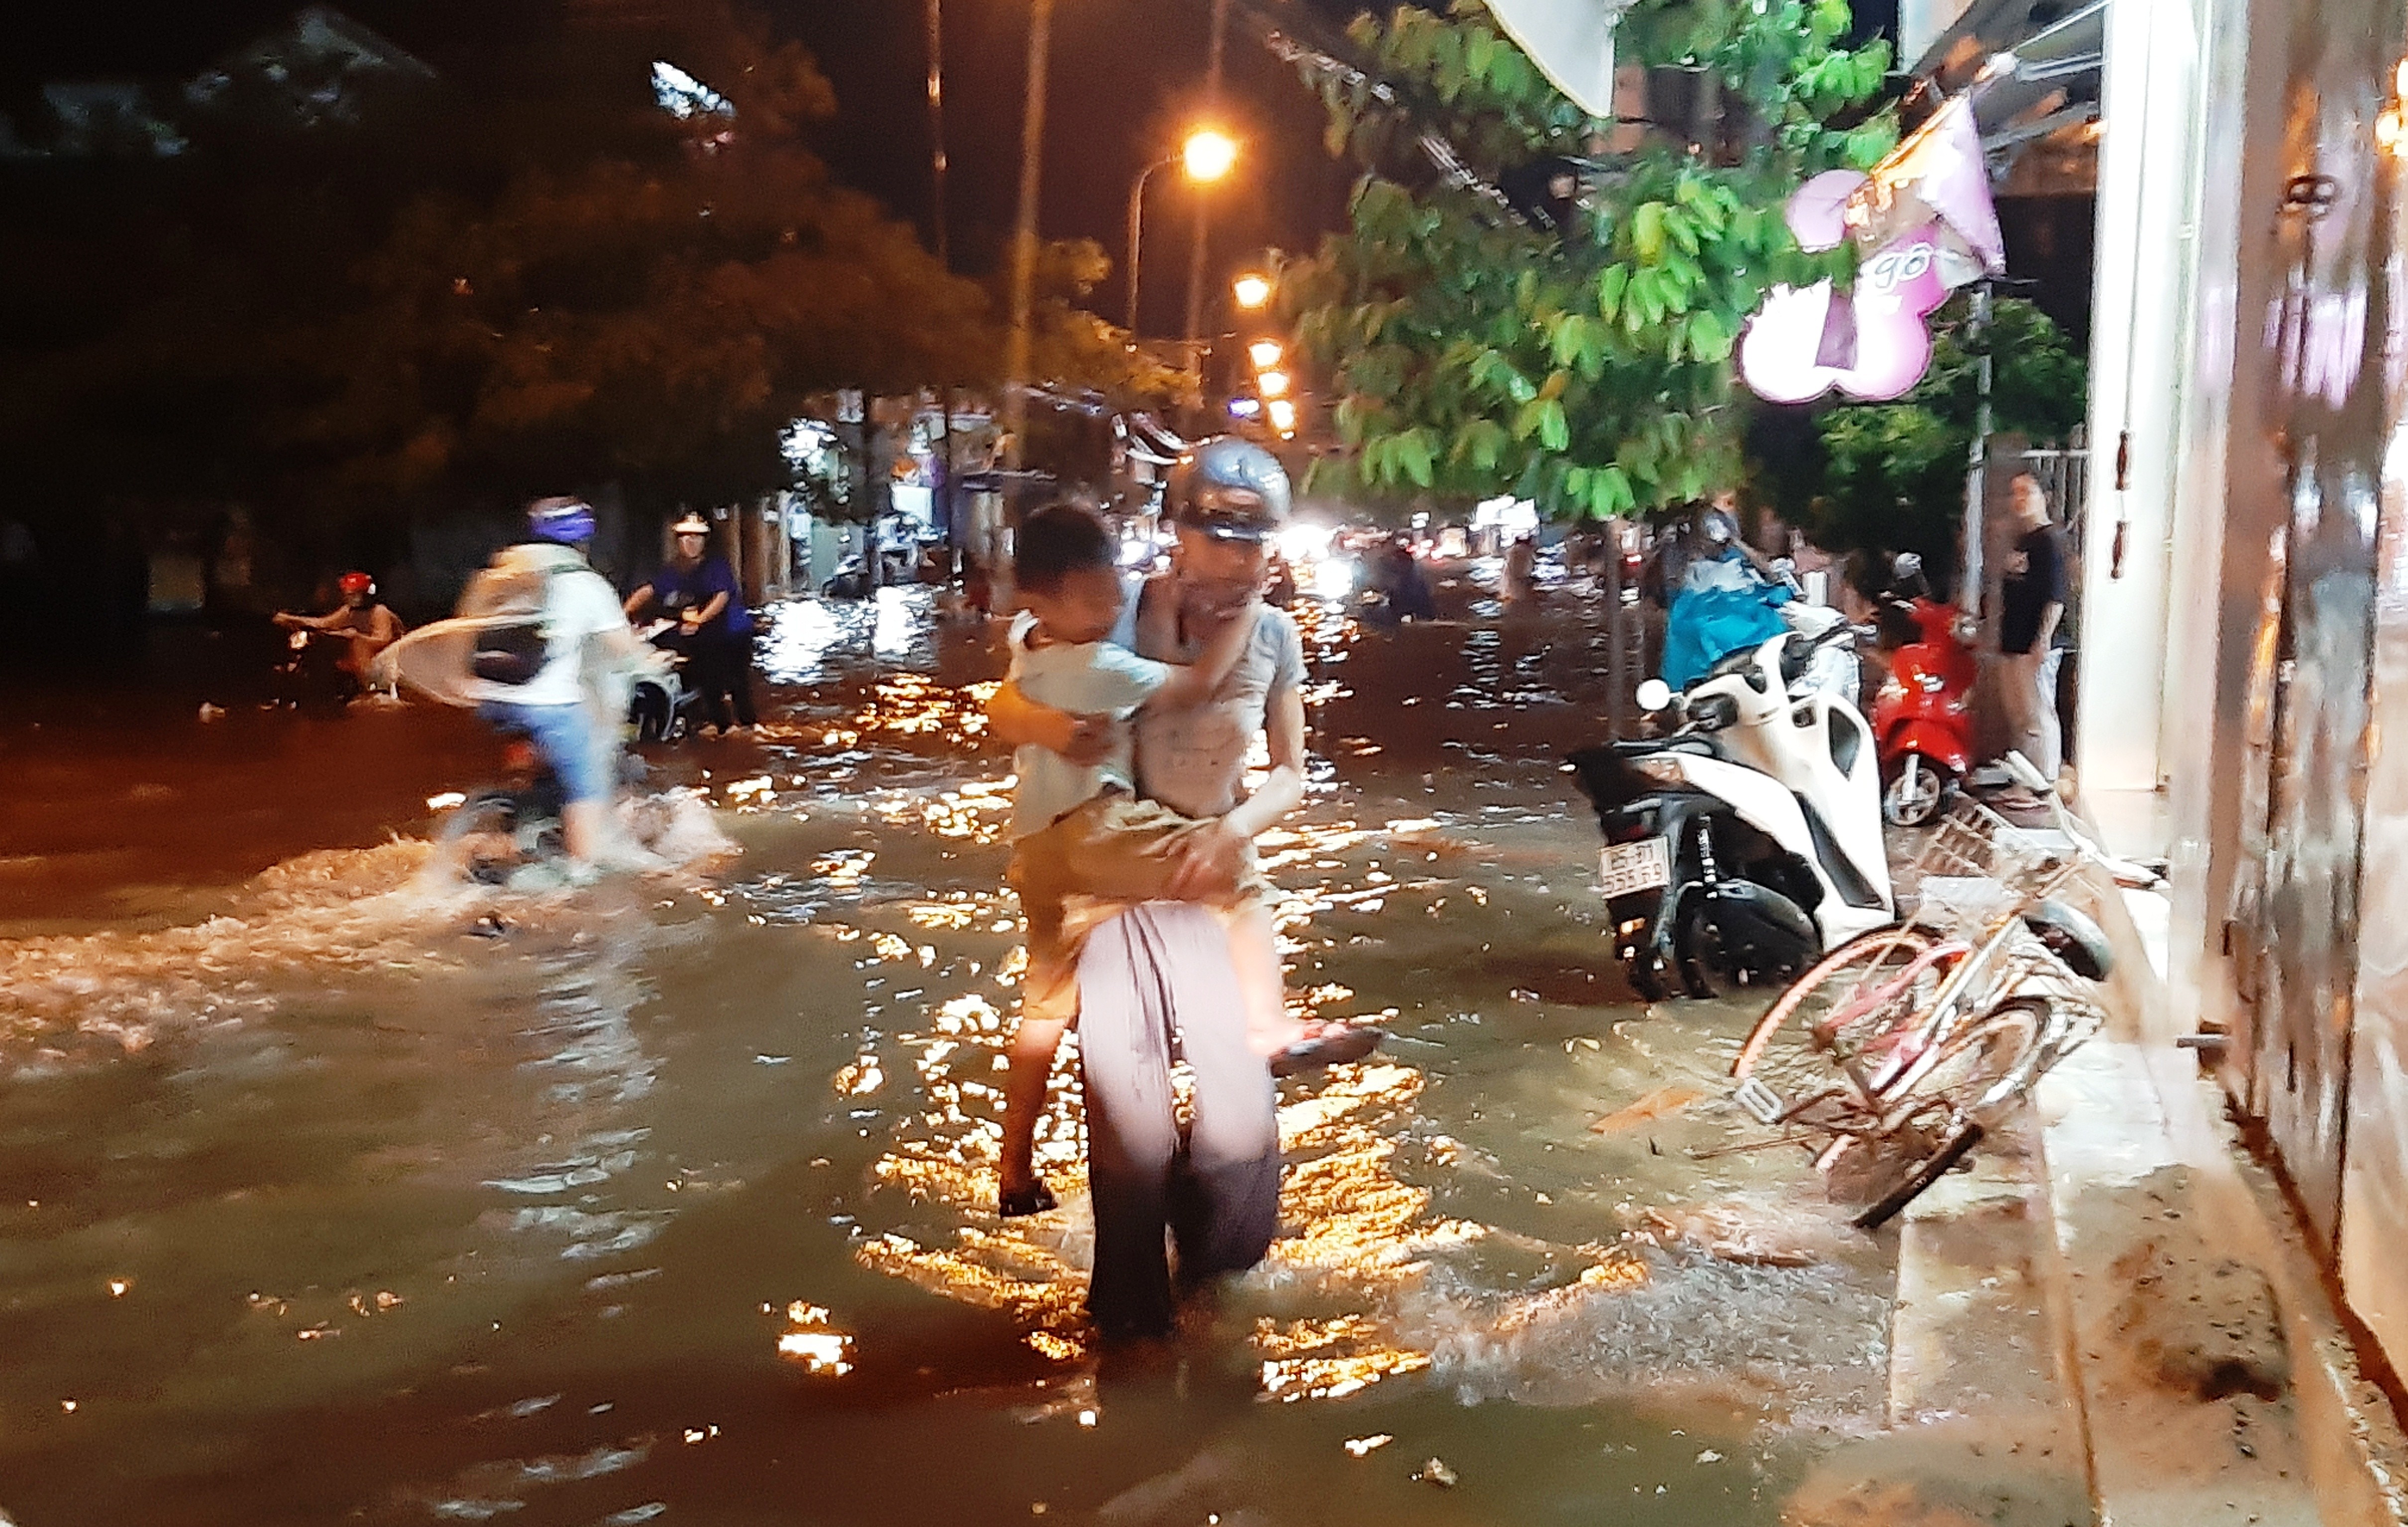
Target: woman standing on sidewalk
(2031,600)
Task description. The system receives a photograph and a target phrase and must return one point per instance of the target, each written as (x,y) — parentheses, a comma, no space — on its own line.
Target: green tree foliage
(1472,353)
(1892,476)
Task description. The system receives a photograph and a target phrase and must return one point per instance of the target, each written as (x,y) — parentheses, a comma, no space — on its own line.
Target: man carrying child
(1211,669)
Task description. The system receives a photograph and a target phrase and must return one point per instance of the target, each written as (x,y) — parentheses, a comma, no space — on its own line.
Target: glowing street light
(1209,154)
(1252,290)
(1282,416)
(1271,384)
(1266,354)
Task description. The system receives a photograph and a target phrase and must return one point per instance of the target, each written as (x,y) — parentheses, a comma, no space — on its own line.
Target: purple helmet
(566,521)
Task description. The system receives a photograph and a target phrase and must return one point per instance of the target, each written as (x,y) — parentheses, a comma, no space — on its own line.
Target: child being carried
(1079,832)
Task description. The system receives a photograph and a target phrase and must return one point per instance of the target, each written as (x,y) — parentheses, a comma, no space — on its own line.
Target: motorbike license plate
(1624,868)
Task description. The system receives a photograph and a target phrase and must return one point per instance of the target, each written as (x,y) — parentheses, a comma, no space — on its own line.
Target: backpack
(513,642)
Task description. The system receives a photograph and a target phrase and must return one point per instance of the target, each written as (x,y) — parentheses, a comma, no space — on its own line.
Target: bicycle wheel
(1925,1171)
(1795,1047)
(1944,1108)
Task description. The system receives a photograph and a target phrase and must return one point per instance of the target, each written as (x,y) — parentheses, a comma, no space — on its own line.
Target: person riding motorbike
(714,628)
(367,626)
(559,674)
(1727,598)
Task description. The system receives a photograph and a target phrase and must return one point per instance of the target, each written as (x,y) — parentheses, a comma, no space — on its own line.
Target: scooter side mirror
(1654,695)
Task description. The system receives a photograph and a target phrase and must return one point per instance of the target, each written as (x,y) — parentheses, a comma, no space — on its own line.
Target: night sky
(1127,74)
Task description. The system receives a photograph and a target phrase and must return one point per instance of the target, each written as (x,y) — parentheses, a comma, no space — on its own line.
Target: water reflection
(547,1212)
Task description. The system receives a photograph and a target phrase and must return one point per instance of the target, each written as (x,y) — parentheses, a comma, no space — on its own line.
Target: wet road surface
(674,1201)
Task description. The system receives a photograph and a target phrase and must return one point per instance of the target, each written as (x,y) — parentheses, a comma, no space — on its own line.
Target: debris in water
(1730,1234)
(211,712)
(1435,1472)
(1656,1105)
(1710,1456)
(1361,1446)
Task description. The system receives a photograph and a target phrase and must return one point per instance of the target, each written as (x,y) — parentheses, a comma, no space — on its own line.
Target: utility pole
(1203,222)
(1023,249)
(944,252)
(937,129)
(1969,589)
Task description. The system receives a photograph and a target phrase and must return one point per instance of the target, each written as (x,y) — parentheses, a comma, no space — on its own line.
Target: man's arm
(636,601)
(1283,788)
(1208,858)
(704,614)
(1196,682)
(1022,722)
(2054,610)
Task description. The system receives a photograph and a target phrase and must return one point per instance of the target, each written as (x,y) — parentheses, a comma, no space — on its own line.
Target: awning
(1571,41)
(2035,118)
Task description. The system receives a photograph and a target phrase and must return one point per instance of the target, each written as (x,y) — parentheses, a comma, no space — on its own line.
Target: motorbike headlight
(1662,768)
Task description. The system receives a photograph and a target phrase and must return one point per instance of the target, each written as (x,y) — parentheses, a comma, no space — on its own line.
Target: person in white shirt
(1080,832)
(552,700)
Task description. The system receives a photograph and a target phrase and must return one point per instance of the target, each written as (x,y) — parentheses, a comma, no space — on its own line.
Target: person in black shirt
(2031,601)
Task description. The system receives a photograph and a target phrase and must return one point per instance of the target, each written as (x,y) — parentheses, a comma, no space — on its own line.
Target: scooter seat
(1694,742)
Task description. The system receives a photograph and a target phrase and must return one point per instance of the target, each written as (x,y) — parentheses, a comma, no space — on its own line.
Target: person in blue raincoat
(1726,599)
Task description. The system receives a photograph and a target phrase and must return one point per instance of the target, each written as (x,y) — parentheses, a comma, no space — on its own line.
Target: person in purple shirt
(714,628)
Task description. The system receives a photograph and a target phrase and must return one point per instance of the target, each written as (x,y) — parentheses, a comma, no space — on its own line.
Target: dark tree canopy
(452,296)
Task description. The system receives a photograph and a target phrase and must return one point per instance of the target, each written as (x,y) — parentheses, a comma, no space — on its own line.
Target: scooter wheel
(650,714)
(1699,945)
(1645,974)
(1916,793)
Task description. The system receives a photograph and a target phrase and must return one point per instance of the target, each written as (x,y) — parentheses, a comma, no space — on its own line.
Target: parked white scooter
(1749,841)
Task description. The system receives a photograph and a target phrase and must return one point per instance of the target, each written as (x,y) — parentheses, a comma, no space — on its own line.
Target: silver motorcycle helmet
(1229,489)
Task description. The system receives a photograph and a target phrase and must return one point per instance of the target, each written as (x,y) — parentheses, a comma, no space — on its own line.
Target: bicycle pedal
(1762,1103)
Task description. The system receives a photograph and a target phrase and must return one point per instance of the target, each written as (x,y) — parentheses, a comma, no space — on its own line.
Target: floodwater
(329,1196)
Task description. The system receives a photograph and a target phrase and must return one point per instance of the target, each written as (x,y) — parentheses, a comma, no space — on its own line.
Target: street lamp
(1252,290)
(1282,416)
(1264,353)
(1271,384)
(1208,155)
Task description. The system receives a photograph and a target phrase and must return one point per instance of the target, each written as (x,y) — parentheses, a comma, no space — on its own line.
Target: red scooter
(1923,714)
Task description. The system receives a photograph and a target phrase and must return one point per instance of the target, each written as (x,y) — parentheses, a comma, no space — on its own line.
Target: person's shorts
(1109,849)
(564,735)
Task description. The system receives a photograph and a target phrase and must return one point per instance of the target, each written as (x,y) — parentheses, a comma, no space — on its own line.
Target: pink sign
(1872,344)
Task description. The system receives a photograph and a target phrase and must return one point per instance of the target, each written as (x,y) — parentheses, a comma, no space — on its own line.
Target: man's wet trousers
(1155,983)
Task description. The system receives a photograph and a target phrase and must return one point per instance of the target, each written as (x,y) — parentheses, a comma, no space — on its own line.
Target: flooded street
(326,1195)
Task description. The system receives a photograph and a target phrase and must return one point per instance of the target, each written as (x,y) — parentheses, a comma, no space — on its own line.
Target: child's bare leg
(1024,1099)
(1253,950)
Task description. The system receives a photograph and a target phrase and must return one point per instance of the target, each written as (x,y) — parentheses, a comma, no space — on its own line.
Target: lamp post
(1024,246)
(1208,155)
